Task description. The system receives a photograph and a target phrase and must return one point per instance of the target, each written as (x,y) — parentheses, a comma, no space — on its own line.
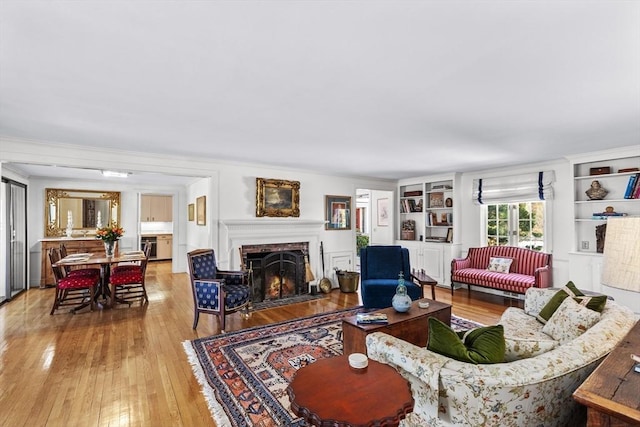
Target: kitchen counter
(68,239)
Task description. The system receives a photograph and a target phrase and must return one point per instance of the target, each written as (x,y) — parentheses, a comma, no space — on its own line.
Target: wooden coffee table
(412,326)
(374,396)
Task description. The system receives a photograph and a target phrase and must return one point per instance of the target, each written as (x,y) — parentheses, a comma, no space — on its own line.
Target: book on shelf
(410,205)
(631,186)
(372,318)
(412,193)
(605,215)
(435,239)
(609,214)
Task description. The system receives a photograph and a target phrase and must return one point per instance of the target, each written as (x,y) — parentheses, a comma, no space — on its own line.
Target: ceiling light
(115,174)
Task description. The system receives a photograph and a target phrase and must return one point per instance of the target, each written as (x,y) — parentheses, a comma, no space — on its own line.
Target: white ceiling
(386,89)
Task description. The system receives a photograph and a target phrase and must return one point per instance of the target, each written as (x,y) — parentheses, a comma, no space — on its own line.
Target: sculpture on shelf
(596,192)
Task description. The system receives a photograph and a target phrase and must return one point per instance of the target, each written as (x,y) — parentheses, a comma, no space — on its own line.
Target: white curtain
(526,187)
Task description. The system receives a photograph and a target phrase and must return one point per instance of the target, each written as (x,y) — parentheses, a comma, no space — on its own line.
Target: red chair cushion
(125,277)
(77,282)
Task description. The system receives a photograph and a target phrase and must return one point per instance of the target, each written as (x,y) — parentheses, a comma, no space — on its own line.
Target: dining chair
(215,291)
(128,284)
(131,265)
(72,290)
(88,271)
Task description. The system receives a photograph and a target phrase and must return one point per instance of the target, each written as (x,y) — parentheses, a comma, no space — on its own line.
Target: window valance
(514,188)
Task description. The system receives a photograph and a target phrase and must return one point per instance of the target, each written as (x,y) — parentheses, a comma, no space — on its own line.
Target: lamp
(621,267)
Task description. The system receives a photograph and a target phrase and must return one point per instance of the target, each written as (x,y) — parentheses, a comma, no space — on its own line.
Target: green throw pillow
(479,345)
(595,303)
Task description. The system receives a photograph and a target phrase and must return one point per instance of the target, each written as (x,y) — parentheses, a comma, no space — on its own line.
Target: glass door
(15,229)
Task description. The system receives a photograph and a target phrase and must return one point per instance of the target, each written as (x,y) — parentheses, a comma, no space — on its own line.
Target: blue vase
(401,301)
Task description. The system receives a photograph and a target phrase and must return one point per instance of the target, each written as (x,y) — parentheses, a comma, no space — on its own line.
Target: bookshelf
(427,223)
(622,196)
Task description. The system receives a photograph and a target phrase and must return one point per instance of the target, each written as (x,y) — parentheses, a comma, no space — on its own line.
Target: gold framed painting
(277,197)
(337,212)
(201,210)
(192,211)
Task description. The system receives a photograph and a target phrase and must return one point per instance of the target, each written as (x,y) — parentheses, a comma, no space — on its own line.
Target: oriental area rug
(244,374)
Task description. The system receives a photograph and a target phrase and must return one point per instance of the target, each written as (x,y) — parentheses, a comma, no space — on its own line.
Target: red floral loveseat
(527,269)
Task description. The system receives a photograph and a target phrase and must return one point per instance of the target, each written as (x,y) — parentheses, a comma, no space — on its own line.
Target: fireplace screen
(276,273)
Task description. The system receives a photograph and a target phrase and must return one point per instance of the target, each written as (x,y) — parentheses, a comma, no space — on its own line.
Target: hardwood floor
(126,366)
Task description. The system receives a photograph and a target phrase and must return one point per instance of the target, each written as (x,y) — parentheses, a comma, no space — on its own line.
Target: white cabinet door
(163,247)
(432,261)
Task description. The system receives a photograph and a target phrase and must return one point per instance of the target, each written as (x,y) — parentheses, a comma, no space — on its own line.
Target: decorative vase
(110,247)
(401,301)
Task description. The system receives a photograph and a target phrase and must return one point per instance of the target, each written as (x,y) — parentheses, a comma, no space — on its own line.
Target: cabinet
(73,246)
(427,222)
(427,208)
(164,244)
(615,182)
(156,208)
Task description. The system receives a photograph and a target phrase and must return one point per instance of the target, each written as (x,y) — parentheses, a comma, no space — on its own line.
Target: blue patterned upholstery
(379,270)
(211,286)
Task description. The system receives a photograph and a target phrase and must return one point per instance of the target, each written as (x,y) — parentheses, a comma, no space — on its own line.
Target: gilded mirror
(86,210)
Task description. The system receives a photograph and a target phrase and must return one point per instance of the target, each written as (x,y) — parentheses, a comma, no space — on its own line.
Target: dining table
(105,263)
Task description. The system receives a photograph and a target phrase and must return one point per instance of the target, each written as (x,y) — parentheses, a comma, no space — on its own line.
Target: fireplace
(278,269)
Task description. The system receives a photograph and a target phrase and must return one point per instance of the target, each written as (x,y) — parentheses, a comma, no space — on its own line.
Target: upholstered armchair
(215,291)
(379,270)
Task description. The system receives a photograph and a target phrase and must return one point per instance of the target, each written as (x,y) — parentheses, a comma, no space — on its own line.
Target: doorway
(14,228)
(374,219)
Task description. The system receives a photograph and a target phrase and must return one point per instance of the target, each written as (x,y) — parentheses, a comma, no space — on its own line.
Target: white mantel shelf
(270,231)
(270,225)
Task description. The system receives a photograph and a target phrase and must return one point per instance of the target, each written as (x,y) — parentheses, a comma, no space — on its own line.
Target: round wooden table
(330,393)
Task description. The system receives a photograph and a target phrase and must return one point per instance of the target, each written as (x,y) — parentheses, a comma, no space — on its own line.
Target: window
(516,224)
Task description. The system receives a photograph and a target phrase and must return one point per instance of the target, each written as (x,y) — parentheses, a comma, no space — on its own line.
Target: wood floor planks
(126,366)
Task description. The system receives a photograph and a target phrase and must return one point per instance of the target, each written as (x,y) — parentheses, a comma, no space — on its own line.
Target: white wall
(583,270)
(229,187)
(560,225)
(230,190)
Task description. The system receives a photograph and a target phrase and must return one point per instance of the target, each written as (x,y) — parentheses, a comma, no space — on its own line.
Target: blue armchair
(215,291)
(379,270)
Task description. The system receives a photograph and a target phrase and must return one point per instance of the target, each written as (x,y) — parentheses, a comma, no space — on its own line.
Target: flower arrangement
(109,234)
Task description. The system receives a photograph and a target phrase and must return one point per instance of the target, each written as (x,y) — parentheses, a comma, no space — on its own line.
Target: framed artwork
(201,210)
(337,212)
(277,197)
(436,200)
(383,212)
(192,209)
(449,238)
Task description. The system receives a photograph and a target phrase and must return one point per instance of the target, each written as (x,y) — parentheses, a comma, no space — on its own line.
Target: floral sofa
(533,388)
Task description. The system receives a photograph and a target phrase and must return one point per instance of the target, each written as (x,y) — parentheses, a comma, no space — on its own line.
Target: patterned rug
(244,374)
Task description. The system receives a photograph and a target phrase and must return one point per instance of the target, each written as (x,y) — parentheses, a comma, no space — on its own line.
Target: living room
(493,93)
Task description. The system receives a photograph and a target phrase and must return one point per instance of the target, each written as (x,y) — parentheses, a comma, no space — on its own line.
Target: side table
(376,395)
(424,280)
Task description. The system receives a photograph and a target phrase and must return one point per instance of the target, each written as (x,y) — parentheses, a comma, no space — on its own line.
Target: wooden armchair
(215,291)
